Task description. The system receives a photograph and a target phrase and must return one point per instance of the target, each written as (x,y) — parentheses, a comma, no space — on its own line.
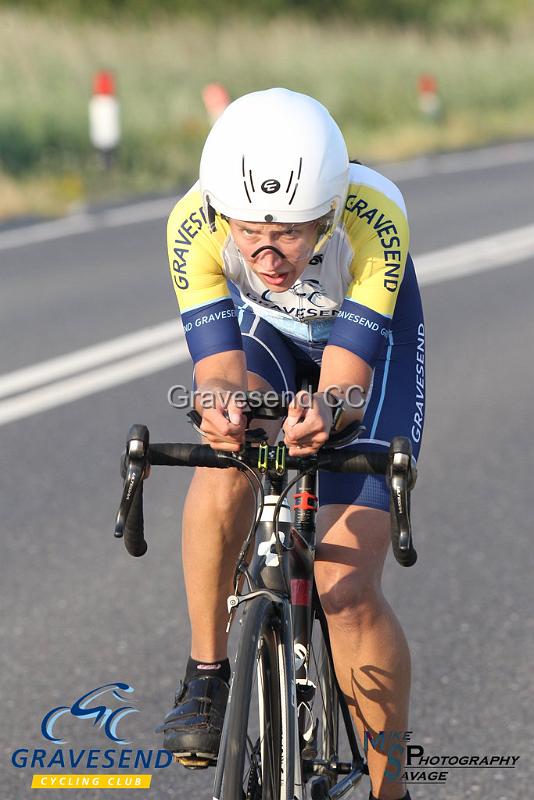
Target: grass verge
(367,77)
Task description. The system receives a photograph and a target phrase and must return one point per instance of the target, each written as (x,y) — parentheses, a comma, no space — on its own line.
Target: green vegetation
(458,16)
(367,76)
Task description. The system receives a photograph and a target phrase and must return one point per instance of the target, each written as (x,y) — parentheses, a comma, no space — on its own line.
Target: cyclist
(286,256)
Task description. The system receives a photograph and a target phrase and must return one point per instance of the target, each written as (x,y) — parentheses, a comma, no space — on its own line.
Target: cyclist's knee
(349,562)
(222,487)
(348,598)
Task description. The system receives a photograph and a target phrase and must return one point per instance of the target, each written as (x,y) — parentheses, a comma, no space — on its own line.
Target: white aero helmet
(275,156)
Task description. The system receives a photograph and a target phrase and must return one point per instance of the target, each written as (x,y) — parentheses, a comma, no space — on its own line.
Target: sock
(404,797)
(201,669)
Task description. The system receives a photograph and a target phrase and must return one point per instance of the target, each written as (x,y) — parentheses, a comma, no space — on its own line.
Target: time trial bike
(287,719)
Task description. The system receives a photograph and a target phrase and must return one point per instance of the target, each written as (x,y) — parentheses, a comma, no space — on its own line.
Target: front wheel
(258,750)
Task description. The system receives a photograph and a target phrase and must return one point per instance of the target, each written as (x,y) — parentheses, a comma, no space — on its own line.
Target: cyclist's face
(277,252)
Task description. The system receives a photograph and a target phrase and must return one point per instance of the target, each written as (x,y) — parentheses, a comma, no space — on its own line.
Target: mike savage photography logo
(422,767)
(105,708)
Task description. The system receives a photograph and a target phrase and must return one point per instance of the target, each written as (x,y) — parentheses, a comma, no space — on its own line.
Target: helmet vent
(296,184)
(271,185)
(245,184)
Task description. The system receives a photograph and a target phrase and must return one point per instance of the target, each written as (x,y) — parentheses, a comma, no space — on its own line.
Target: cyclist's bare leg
(370,651)
(217,514)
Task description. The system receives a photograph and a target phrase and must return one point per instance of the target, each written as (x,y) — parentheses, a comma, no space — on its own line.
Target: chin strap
(211,216)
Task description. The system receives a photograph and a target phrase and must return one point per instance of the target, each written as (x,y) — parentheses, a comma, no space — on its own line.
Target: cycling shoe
(192,729)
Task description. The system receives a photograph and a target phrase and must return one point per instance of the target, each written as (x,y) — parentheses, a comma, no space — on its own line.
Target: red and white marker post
(104,117)
(428,96)
(215,98)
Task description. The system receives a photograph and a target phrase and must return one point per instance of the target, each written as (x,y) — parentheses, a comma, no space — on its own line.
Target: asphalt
(77,612)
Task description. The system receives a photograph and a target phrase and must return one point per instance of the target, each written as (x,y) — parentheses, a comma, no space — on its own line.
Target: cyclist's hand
(308,423)
(224,426)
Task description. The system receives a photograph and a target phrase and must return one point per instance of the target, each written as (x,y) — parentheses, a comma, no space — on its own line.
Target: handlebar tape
(186,455)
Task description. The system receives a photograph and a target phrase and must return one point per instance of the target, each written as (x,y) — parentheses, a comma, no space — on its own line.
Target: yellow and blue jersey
(346,296)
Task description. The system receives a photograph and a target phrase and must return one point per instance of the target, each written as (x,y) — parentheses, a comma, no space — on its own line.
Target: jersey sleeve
(376,225)
(195,253)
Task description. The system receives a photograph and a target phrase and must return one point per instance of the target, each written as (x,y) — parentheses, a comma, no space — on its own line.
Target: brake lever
(399,491)
(401,478)
(196,420)
(134,468)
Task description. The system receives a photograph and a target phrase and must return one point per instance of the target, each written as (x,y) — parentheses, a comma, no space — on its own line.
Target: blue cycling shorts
(396,398)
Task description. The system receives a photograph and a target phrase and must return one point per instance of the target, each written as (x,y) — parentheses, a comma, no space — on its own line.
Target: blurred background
(401,77)
(92,343)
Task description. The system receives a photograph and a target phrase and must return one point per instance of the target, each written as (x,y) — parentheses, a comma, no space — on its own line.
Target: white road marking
(69,389)
(462,161)
(84,222)
(46,231)
(134,213)
(66,378)
(489,252)
(124,346)
(139,212)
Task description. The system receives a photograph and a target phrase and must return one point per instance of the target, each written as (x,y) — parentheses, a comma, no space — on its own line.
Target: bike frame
(281,568)
(281,574)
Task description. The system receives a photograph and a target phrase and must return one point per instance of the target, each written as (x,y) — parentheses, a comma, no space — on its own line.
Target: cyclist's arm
(344,375)
(347,376)
(218,378)
(209,319)
(225,371)
(196,265)
(377,230)
(376,227)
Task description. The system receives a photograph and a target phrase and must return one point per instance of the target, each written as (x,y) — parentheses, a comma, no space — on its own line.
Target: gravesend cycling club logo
(107,718)
(105,709)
